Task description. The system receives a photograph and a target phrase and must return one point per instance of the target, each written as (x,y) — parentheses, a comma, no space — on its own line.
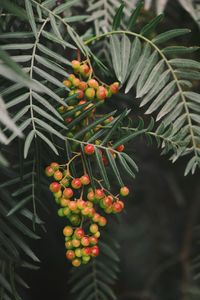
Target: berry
(58,194)
(80,94)
(76,183)
(85,211)
(75,219)
(105,160)
(86,251)
(55,166)
(58,175)
(68,245)
(93,240)
(70,254)
(107,201)
(67,83)
(79,233)
(94,228)
(68,231)
(93,83)
(95,251)
(114,88)
(71,77)
(90,93)
(91,212)
(85,259)
(101,93)
(55,187)
(78,252)
(65,182)
(60,212)
(102,221)
(72,205)
(83,85)
(97,234)
(75,64)
(120,148)
(84,70)
(96,218)
(76,262)
(76,243)
(85,179)
(49,171)
(68,193)
(89,149)
(81,204)
(64,202)
(91,196)
(124,191)
(117,207)
(66,211)
(76,82)
(99,194)
(85,241)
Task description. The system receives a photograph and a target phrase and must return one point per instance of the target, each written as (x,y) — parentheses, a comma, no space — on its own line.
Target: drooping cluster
(84,207)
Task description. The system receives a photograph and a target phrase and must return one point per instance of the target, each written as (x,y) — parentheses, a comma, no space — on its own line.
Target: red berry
(107,201)
(84,70)
(120,148)
(114,87)
(86,251)
(68,193)
(75,64)
(49,171)
(124,191)
(85,179)
(76,183)
(90,93)
(89,149)
(83,85)
(79,233)
(117,207)
(58,175)
(91,196)
(55,187)
(105,160)
(93,83)
(95,251)
(80,94)
(55,166)
(68,120)
(68,231)
(99,194)
(70,254)
(82,102)
(93,240)
(101,93)
(85,241)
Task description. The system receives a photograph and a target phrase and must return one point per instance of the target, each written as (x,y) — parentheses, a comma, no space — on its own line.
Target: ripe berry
(72,205)
(86,251)
(49,171)
(68,231)
(101,93)
(95,251)
(85,179)
(68,193)
(91,212)
(117,207)
(120,148)
(91,196)
(68,245)
(76,82)
(55,166)
(79,233)
(58,175)
(64,202)
(85,241)
(105,160)
(67,83)
(84,70)
(76,183)
(93,240)
(80,94)
(70,254)
(55,187)
(76,243)
(107,201)
(90,93)
(89,149)
(75,64)
(93,83)
(114,87)
(85,211)
(96,218)
(124,191)
(76,262)
(83,85)
(94,228)
(99,194)
(81,204)
(102,221)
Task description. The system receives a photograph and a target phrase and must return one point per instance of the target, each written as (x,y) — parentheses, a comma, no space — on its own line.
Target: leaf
(31,17)
(113,166)
(53,38)
(17,100)
(151,25)
(47,141)
(168,35)
(125,166)
(134,16)
(55,27)
(47,76)
(130,161)
(185,63)
(125,52)
(190,165)
(116,55)
(118,17)
(51,53)
(14,9)
(51,65)
(101,167)
(49,128)
(28,142)
(48,116)
(65,6)
(179,50)
(170,104)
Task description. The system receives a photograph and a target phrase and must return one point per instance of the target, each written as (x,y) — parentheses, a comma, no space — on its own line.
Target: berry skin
(72,205)
(84,70)
(107,201)
(79,233)
(94,228)
(124,191)
(70,254)
(89,149)
(105,161)
(83,85)
(85,259)
(76,262)
(114,88)
(78,252)
(93,83)
(68,231)
(71,77)
(76,183)
(49,171)
(66,211)
(68,193)
(93,240)
(91,196)
(99,194)
(101,93)
(68,245)
(60,212)
(96,218)
(65,182)
(85,241)
(120,148)
(55,187)
(90,93)
(85,179)
(102,221)
(58,194)
(64,202)
(58,175)
(75,64)
(80,94)
(117,207)
(81,204)
(76,243)
(75,219)
(91,212)
(55,166)
(85,211)
(86,251)
(95,251)
(67,83)
(97,234)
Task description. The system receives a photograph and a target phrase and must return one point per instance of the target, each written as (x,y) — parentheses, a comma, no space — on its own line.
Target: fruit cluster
(80,205)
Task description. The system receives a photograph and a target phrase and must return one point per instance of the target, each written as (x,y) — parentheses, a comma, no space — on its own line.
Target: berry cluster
(80,204)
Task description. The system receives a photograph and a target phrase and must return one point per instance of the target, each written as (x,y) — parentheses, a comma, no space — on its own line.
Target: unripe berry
(85,241)
(66,212)
(93,83)
(90,93)
(76,243)
(124,191)
(75,64)
(76,262)
(61,109)
(49,171)
(91,196)
(96,218)
(83,85)
(91,212)
(108,210)
(81,204)
(85,179)
(75,219)
(97,234)
(70,254)
(64,202)
(76,183)
(80,94)
(71,77)
(101,93)
(58,194)
(95,251)
(85,259)
(79,233)
(120,148)
(55,187)
(85,211)
(84,70)
(76,82)
(89,149)
(68,245)
(93,240)
(55,166)
(58,175)
(94,228)
(114,87)
(102,221)
(68,231)
(78,252)
(65,182)
(99,194)
(110,119)
(60,212)
(67,83)
(68,193)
